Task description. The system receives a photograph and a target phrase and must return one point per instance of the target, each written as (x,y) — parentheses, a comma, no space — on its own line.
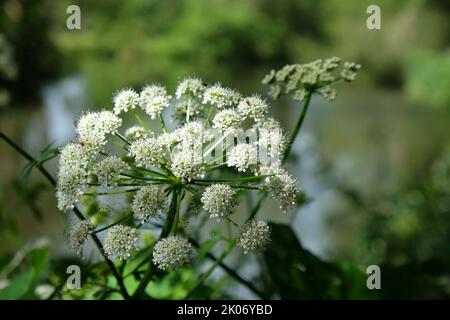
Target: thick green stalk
(298,126)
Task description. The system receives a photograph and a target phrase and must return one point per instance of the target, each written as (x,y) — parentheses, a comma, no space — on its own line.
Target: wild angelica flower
(71,184)
(147,201)
(108,170)
(119,242)
(76,154)
(221,97)
(255,236)
(187,164)
(153,100)
(242,156)
(146,151)
(95,126)
(169,139)
(172,252)
(190,87)
(226,120)
(283,188)
(78,235)
(219,200)
(124,100)
(175,164)
(253,107)
(193,133)
(137,132)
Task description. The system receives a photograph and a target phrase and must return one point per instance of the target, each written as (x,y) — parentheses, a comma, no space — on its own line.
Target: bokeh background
(374,165)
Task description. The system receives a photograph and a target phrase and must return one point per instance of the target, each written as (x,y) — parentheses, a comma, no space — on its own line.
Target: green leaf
(19,286)
(45,155)
(298,274)
(39,260)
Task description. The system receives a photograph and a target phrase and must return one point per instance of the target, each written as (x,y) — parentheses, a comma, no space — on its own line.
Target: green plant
(224,146)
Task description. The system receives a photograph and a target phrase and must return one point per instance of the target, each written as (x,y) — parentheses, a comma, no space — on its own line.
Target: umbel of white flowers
(153,166)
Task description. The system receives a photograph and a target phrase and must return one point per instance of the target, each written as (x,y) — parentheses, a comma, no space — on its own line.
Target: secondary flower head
(78,235)
(190,87)
(187,164)
(242,156)
(316,76)
(71,184)
(108,170)
(219,200)
(226,120)
(147,201)
(283,188)
(93,127)
(146,151)
(76,154)
(124,100)
(153,100)
(253,107)
(120,241)
(172,252)
(255,236)
(221,97)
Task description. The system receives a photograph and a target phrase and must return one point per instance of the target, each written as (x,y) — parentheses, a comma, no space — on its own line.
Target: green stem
(237,179)
(210,110)
(123,138)
(205,275)
(163,123)
(299,125)
(113,224)
(28,157)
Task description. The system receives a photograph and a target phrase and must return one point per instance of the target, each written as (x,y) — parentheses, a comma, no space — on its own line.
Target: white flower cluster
(221,97)
(78,235)
(316,76)
(243,157)
(120,241)
(255,236)
(154,99)
(94,127)
(219,200)
(254,107)
(124,100)
(180,163)
(147,201)
(146,151)
(283,188)
(190,87)
(109,169)
(172,252)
